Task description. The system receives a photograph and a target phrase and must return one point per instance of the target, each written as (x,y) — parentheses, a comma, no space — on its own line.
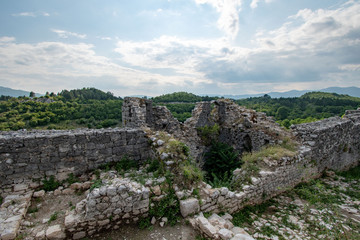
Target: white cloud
(6,39)
(31,14)
(350,67)
(229,14)
(53,66)
(254,3)
(66,34)
(24,14)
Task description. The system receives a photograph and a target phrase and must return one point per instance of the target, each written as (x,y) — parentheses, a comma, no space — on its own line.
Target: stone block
(225,234)
(206,227)
(55,233)
(189,206)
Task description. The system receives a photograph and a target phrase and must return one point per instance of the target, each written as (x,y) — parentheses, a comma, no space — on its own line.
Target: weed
(32,210)
(209,134)
(154,165)
(21,236)
(268,231)
(191,172)
(352,174)
(199,237)
(71,179)
(97,173)
(53,217)
(50,184)
(125,164)
(224,181)
(144,223)
(244,216)
(96,184)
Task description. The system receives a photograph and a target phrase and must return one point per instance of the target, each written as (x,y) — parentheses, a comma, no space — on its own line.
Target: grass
(352,174)
(32,210)
(243,217)
(315,192)
(50,184)
(53,217)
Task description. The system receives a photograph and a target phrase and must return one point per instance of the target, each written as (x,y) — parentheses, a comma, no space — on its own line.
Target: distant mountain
(15,93)
(351,91)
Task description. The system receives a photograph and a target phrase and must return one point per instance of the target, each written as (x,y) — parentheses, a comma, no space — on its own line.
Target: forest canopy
(93,108)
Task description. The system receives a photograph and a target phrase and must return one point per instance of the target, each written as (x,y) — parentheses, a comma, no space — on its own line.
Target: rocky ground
(327,208)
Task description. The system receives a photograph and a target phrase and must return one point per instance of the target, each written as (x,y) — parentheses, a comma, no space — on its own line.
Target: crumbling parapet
(334,142)
(136,112)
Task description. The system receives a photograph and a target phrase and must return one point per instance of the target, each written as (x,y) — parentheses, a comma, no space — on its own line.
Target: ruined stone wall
(117,202)
(32,155)
(334,142)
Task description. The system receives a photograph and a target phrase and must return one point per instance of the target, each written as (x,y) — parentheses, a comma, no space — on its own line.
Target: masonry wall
(32,155)
(334,142)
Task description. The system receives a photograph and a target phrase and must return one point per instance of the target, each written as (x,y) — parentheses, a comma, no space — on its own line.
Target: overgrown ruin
(26,157)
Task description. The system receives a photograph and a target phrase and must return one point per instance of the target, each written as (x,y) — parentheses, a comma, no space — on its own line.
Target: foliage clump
(221,160)
(209,134)
(50,184)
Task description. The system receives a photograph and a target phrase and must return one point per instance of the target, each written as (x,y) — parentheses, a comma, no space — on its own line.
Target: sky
(154,47)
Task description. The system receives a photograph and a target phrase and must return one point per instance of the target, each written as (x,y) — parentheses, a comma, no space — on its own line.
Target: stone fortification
(328,144)
(334,142)
(25,156)
(119,201)
(244,129)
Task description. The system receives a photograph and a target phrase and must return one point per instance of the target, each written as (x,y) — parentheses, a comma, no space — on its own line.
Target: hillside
(93,108)
(87,107)
(4,91)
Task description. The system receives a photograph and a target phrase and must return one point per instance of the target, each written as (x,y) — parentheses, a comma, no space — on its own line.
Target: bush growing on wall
(220,160)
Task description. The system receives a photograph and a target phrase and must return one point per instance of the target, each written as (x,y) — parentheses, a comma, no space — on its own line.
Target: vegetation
(50,184)
(209,134)
(221,161)
(307,108)
(181,111)
(87,107)
(182,97)
(92,108)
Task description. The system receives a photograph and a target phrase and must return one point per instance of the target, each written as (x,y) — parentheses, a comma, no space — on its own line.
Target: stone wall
(334,142)
(32,155)
(119,201)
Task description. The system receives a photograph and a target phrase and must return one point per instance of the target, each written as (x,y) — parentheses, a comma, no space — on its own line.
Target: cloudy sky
(152,47)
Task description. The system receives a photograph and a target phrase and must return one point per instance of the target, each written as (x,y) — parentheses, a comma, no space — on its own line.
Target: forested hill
(183,97)
(87,107)
(93,108)
(309,107)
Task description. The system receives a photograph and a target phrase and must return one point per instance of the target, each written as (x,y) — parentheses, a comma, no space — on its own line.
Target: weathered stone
(39,194)
(206,227)
(242,237)
(55,232)
(189,206)
(225,234)
(156,190)
(79,235)
(40,235)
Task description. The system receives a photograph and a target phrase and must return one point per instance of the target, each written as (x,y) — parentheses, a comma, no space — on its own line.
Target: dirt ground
(132,232)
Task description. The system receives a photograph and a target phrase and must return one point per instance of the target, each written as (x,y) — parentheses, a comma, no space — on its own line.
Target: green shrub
(209,134)
(53,217)
(191,172)
(96,184)
(221,159)
(221,181)
(50,184)
(125,164)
